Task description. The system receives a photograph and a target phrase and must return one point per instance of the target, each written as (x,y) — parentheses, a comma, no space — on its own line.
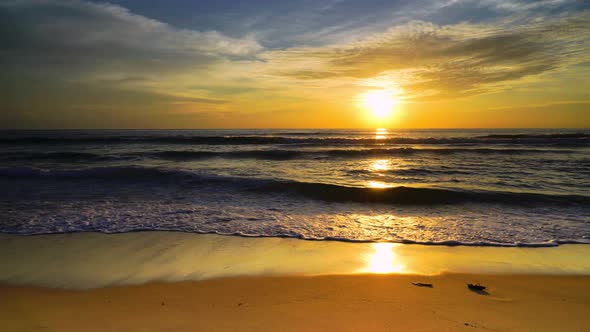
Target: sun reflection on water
(381,165)
(378,184)
(380,133)
(383,259)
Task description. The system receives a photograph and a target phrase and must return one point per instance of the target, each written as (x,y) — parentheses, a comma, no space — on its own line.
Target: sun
(380,103)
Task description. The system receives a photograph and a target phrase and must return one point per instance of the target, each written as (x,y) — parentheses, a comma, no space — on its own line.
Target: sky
(294,64)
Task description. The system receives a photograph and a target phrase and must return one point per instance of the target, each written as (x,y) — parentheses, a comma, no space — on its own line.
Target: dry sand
(321,303)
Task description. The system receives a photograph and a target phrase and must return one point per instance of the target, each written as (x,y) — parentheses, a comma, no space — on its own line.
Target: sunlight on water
(459,186)
(378,184)
(383,259)
(381,165)
(380,133)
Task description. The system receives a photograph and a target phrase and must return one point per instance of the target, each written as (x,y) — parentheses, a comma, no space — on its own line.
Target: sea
(482,187)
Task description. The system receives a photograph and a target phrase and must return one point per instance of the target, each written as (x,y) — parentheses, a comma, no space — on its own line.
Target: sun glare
(381,133)
(380,165)
(383,259)
(378,184)
(380,103)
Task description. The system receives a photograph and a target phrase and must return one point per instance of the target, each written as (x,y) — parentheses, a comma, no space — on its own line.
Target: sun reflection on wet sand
(383,259)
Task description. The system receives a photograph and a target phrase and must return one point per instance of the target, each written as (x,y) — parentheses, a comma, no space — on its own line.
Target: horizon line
(295,128)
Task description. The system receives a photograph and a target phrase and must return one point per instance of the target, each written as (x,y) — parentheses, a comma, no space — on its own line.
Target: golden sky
(325,64)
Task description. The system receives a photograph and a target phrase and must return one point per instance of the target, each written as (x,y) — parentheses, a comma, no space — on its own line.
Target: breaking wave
(578,139)
(319,191)
(273,154)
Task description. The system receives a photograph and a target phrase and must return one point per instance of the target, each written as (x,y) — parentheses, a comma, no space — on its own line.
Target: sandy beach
(337,303)
(166,281)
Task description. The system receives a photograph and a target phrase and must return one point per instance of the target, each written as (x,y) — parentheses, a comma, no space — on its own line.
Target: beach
(57,285)
(325,303)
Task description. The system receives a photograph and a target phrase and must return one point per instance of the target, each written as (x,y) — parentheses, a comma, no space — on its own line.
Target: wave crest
(273,154)
(318,191)
(578,139)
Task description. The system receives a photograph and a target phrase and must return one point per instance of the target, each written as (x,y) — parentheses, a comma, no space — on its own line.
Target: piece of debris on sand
(422,284)
(476,287)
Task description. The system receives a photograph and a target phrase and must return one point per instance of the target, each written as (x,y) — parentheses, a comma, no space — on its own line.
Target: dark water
(476,187)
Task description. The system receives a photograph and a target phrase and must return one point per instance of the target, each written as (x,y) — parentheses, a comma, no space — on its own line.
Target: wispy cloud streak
(431,61)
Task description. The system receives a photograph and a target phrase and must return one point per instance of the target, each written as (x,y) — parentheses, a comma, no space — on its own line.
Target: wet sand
(91,260)
(321,303)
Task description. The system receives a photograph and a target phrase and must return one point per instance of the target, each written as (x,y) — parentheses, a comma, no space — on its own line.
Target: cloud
(77,27)
(520,5)
(429,61)
(85,40)
(58,54)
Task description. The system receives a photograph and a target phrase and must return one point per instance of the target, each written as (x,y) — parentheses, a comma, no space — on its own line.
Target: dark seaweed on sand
(476,287)
(421,284)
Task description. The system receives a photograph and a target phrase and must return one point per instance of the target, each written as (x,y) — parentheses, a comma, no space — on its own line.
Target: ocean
(517,187)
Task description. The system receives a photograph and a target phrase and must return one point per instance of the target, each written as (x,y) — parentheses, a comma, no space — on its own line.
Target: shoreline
(308,303)
(93,260)
(446,243)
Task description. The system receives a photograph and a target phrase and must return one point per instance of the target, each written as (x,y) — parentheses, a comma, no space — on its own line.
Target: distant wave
(274,154)
(318,191)
(581,139)
(57,156)
(108,173)
(536,136)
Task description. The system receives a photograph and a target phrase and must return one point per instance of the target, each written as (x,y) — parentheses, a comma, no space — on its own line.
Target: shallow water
(472,187)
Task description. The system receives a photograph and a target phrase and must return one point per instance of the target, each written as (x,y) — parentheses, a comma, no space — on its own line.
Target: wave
(250,154)
(537,136)
(274,154)
(59,156)
(318,191)
(580,139)
(418,196)
(413,171)
(448,243)
(292,235)
(115,173)
(288,154)
(440,151)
